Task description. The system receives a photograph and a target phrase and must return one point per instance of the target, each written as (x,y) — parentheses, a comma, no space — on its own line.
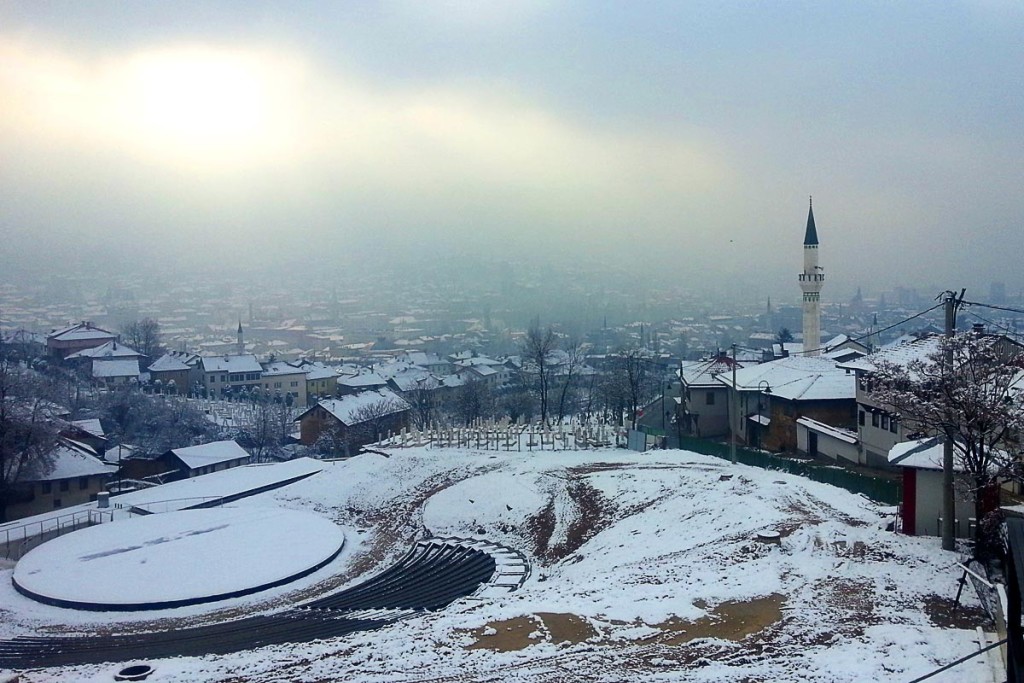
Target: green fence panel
(879,489)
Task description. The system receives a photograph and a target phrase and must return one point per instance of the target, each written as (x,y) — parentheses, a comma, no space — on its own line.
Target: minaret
(811,282)
(241,344)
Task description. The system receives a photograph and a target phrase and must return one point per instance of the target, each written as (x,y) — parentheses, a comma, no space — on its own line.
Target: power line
(993,306)
(884,329)
(1004,328)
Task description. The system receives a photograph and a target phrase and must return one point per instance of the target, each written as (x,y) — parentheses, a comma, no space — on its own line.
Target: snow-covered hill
(645,567)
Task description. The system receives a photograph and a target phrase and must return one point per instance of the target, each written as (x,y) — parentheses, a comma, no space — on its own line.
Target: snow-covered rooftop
(80,332)
(111,350)
(350,409)
(702,373)
(210,453)
(907,350)
(922,454)
(363,379)
(170,362)
(90,426)
(243,363)
(822,428)
(279,368)
(71,460)
(797,378)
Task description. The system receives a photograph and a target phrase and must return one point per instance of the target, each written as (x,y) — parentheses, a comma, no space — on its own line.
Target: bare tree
(537,348)
(473,400)
(152,424)
(568,373)
(143,336)
(633,380)
(517,403)
(424,402)
(371,420)
(29,429)
(268,430)
(975,402)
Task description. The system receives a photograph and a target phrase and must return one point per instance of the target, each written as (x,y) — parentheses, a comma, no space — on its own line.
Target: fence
(878,489)
(510,437)
(19,539)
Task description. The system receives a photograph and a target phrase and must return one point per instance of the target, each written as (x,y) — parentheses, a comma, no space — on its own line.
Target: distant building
(69,340)
(223,375)
(281,379)
(768,399)
(704,406)
(177,369)
(195,461)
(354,420)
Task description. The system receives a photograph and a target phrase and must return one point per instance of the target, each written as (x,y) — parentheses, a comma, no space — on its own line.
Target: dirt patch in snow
(733,620)
(943,613)
(593,512)
(510,635)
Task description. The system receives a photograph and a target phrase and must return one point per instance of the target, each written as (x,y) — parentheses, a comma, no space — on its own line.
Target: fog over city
(676,140)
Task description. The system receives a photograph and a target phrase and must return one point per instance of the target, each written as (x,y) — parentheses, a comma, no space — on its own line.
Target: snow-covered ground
(646,566)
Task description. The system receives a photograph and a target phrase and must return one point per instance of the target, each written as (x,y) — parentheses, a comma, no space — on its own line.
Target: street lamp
(763,387)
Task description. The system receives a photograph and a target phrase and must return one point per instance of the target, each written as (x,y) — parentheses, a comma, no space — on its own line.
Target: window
(710,398)
(295,384)
(277,385)
(860,418)
(223,378)
(885,422)
(83,483)
(893,425)
(213,379)
(875,419)
(47,487)
(65,484)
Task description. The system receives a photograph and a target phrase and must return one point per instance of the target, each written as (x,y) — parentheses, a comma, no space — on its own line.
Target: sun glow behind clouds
(200,97)
(198,108)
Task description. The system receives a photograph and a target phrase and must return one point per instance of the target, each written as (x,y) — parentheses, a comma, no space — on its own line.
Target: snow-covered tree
(976,402)
(28,428)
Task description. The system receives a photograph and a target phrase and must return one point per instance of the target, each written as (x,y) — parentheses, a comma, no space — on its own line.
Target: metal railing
(18,539)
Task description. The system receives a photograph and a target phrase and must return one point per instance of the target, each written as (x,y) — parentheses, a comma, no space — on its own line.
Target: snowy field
(646,567)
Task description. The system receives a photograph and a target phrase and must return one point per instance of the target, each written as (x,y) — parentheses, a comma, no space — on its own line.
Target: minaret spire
(241,344)
(812,279)
(811,234)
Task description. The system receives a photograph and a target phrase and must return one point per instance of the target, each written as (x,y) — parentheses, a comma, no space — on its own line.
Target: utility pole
(948,502)
(732,420)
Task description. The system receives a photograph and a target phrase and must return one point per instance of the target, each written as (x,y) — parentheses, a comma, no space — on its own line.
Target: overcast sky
(686,133)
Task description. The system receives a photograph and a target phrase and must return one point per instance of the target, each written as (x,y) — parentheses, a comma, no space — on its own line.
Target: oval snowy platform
(178,558)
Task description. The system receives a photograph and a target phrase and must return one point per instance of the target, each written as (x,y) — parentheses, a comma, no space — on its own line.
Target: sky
(684,137)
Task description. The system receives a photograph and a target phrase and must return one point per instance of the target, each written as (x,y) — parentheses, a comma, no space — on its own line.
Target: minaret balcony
(812,277)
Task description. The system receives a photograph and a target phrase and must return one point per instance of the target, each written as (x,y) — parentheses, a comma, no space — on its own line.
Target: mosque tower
(241,344)
(811,282)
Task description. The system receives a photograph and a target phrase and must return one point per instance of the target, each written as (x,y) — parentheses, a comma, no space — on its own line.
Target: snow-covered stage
(178,558)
